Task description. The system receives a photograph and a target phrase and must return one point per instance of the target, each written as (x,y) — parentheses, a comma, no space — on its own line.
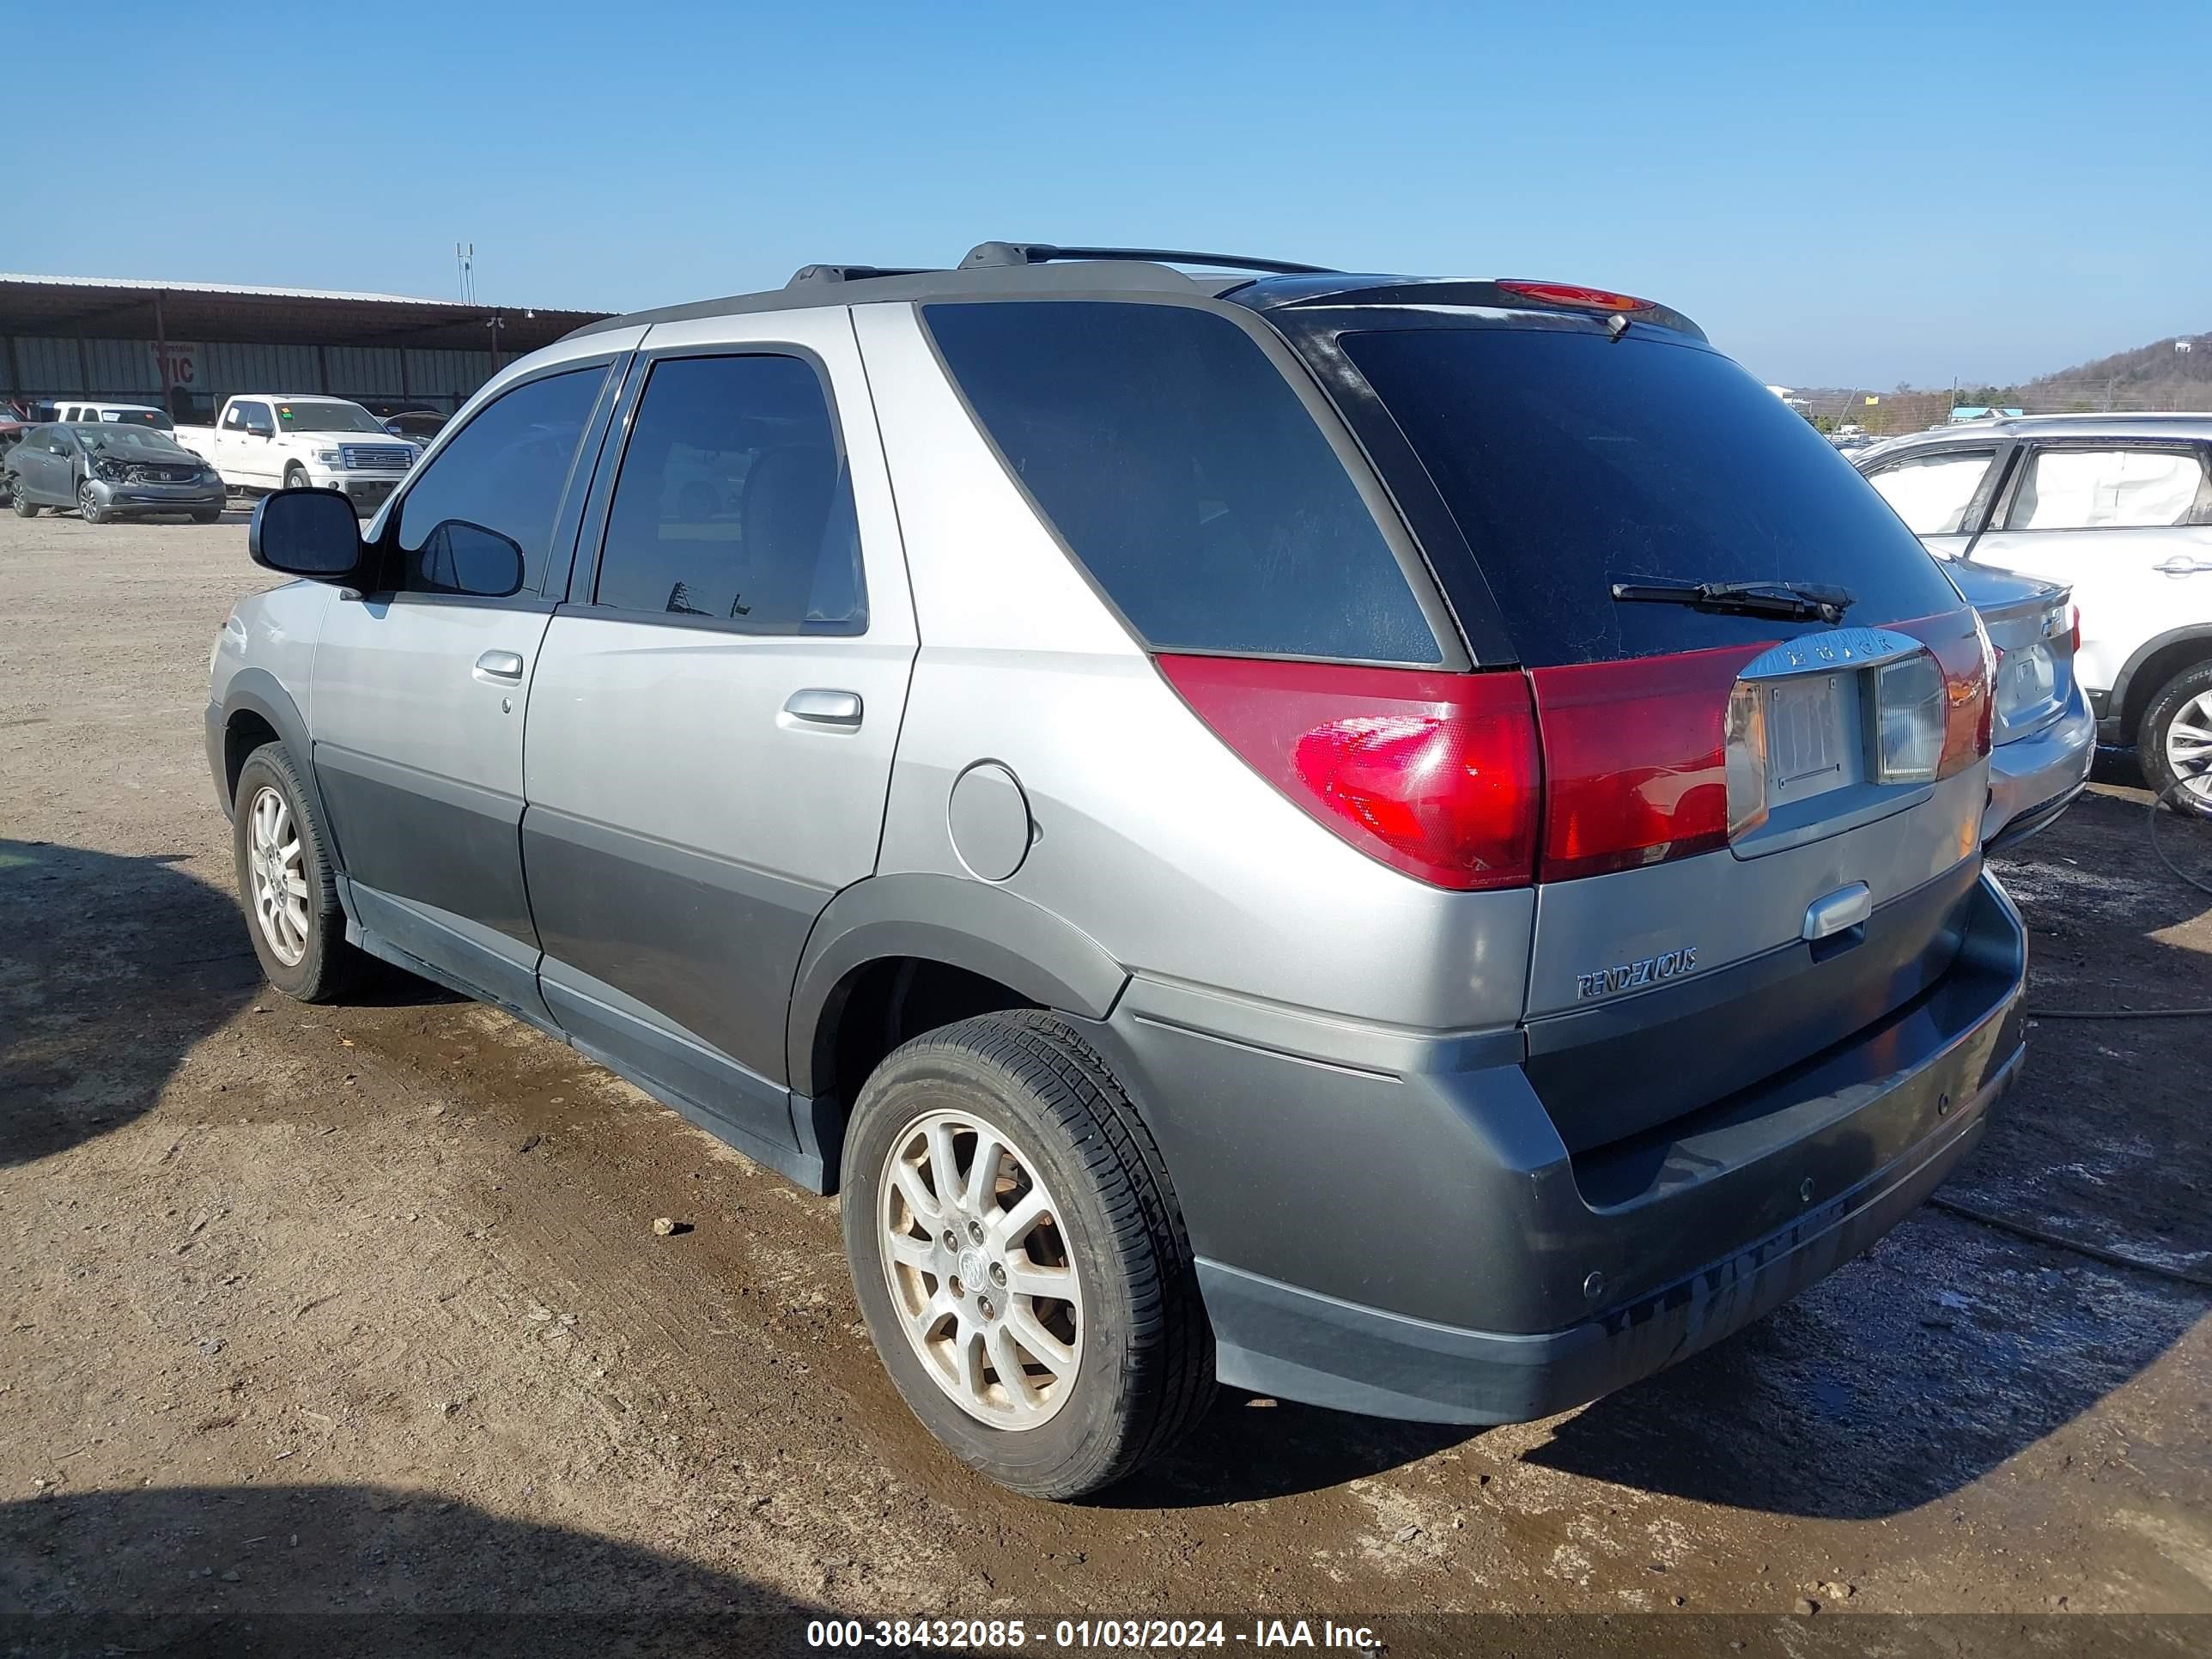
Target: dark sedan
(111,472)
(11,433)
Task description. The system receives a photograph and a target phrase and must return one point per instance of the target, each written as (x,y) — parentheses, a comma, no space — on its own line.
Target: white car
(266,440)
(77,412)
(2118,508)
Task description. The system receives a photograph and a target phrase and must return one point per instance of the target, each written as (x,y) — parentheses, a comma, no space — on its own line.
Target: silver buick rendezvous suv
(1407,845)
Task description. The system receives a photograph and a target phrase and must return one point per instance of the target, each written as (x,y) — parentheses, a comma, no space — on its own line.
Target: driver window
(502,476)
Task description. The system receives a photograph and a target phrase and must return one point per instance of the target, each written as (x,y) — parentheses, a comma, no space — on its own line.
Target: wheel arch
(255,706)
(964,927)
(2155,662)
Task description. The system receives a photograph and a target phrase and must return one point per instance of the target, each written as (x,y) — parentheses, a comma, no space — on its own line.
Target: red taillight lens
(1574,294)
(2077,630)
(1637,754)
(1962,650)
(1436,774)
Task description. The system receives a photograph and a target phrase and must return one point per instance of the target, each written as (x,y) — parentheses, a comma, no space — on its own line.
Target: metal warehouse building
(187,346)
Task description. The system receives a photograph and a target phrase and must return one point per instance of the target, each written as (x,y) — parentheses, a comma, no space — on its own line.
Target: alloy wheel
(978,1266)
(278,871)
(2188,749)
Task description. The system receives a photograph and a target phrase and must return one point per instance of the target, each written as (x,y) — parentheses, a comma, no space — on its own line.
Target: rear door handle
(500,667)
(2180,565)
(820,706)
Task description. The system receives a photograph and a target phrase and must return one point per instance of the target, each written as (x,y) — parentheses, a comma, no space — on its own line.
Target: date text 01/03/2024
(1006,1635)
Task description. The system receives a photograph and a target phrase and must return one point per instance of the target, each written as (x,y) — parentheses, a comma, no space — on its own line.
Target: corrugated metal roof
(256,290)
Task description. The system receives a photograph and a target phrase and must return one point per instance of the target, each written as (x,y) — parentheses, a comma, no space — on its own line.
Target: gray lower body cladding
(1422,1243)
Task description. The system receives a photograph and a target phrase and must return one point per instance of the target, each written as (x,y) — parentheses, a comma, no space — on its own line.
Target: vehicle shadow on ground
(111,969)
(1908,1376)
(1250,1448)
(342,1569)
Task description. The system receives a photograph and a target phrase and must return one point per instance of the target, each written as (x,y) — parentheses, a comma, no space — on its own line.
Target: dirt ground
(347,1328)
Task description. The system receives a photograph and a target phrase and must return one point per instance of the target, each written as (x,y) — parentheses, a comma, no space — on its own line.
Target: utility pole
(464,257)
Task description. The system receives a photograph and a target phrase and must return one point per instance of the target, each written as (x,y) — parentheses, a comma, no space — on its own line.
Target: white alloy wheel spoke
(1025,1277)
(1015,1223)
(1008,1365)
(919,1199)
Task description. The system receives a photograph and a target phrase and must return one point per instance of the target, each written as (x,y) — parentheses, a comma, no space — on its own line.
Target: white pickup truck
(265,441)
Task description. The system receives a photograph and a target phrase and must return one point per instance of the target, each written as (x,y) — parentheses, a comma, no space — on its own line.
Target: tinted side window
(2107,490)
(1931,492)
(1182,469)
(504,472)
(733,502)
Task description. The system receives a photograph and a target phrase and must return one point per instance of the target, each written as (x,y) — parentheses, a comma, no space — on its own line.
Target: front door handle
(500,667)
(2178,565)
(820,706)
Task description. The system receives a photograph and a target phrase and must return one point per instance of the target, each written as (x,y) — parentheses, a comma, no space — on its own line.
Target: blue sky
(1792,177)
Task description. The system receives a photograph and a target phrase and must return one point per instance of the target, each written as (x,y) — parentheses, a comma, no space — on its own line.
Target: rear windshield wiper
(1789,601)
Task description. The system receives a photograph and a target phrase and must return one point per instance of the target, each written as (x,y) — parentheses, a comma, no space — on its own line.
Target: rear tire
(1130,1365)
(286,883)
(24,507)
(2175,739)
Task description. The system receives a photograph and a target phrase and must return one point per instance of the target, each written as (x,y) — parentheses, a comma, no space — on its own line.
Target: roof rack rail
(1038,253)
(807,274)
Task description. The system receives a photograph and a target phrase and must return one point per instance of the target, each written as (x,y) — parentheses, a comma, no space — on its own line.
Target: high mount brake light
(1574,294)
(1436,775)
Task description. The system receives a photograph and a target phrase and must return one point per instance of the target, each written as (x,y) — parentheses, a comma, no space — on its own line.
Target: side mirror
(460,557)
(255,429)
(307,533)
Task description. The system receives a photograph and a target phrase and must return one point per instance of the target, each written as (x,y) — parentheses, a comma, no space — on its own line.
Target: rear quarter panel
(1149,835)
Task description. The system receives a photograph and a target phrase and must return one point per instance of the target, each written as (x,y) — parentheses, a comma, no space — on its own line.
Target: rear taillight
(1968,662)
(1436,774)
(1637,754)
(2076,610)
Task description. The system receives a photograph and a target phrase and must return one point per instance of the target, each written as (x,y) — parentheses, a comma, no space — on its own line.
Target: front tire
(1019,1257)
(2175,740)
(296,478)
(87,505)
(286,881)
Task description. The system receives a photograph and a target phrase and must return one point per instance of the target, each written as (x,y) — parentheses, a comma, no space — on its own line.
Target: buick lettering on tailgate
(1651,971)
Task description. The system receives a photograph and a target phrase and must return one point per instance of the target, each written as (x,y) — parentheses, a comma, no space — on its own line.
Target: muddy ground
(346,1329)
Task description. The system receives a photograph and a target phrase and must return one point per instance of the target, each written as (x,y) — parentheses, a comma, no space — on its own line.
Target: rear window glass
(1572,461)
(1179,467)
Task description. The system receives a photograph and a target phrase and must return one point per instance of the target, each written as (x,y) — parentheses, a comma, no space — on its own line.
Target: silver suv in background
(1308,830)
(2119,509)
(2042,736)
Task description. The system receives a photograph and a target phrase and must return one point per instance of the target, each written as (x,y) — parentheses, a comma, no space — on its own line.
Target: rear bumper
(1277,1340)
(2033,779)
(1447,1260)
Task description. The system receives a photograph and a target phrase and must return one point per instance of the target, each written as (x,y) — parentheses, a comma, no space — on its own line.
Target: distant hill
(2160,375)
